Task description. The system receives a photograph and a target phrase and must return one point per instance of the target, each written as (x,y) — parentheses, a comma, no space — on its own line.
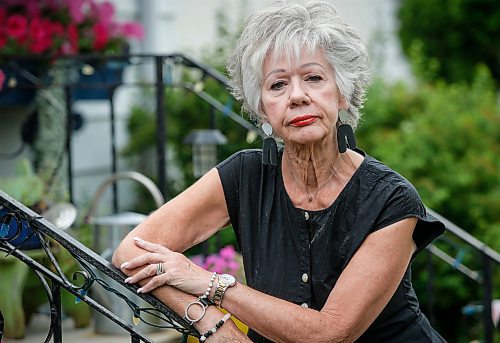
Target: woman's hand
(178,270)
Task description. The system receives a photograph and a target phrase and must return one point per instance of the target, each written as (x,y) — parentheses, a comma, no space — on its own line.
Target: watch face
(227,279)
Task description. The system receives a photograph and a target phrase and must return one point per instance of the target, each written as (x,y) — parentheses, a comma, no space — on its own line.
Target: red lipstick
(304,120)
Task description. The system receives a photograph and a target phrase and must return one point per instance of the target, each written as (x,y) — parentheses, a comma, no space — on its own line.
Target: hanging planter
(98,81)
(49,29)
(17,232)
(19,84)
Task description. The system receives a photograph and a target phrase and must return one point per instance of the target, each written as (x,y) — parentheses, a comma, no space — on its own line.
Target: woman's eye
(314,78)
(277,85)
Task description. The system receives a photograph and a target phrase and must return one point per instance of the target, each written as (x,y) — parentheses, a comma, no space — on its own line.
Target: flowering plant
(227,260)
(62,27)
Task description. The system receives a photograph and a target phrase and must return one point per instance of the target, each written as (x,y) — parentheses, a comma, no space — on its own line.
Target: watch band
(223,283)
(219,292)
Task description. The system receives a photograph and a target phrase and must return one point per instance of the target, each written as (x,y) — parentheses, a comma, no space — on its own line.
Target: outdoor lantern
(204,144)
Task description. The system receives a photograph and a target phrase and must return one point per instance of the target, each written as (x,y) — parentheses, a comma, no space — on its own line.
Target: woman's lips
(303,120)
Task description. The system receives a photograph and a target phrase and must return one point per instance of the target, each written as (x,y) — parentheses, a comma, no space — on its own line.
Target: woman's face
(300,97)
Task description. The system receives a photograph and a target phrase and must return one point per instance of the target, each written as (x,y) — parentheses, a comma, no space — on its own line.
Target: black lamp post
(204,143)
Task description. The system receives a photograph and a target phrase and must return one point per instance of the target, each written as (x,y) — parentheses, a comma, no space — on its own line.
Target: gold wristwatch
(224,282)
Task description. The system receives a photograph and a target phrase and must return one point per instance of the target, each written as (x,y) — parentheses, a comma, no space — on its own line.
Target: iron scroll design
(83,280)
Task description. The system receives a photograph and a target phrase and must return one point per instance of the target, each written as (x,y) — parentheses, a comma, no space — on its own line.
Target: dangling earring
(269,149)
(345,135)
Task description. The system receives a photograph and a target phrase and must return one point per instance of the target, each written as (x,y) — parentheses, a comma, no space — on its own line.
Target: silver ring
(159,268)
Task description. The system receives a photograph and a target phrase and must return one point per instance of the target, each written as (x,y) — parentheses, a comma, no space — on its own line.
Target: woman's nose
(298,95)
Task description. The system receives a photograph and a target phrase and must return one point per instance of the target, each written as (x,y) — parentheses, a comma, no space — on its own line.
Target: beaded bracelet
(216,327)
(201,302)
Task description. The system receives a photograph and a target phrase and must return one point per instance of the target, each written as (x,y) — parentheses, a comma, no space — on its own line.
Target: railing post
(113,146)
(69,128)
(160,126)
(134,339)
(56,313)
(487,299)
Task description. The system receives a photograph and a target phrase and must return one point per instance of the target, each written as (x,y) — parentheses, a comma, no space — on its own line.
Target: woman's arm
(190,218)
(360,294)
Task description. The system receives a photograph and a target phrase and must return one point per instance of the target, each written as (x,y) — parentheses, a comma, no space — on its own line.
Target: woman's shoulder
(244,157)
(384,180)
(241,164)
(378,171)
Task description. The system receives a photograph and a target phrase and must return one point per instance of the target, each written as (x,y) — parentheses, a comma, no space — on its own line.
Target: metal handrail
(467,237)
(90,261)
(132,175)
(489,255)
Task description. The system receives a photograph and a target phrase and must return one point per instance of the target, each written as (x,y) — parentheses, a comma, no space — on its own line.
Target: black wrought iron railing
(490,259)
(82,282)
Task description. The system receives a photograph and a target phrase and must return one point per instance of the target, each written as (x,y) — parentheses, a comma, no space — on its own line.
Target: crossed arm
(362,291)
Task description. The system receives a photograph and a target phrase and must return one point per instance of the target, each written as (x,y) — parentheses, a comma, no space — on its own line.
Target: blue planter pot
(17,90)
(9,232)
(97,84)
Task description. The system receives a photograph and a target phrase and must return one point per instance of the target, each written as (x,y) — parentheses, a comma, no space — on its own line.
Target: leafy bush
(453,35)
(444,139)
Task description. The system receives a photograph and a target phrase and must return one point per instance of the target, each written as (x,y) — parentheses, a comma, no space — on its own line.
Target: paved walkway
(37,331)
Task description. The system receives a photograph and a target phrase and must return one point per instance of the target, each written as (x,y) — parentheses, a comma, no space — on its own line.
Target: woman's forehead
(292,59)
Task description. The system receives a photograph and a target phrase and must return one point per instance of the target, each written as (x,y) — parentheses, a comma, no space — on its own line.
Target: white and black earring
(269,148)
(345,134)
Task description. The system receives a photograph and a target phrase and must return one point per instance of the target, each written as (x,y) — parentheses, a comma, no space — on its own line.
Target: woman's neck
(314,176)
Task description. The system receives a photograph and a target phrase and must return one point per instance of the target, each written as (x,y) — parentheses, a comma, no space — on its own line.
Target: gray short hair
(286,29)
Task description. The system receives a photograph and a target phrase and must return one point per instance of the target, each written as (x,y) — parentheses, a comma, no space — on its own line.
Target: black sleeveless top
(298,255)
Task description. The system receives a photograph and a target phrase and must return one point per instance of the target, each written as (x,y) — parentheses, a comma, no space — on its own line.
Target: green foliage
(444,139)
(453,35)
(25,186)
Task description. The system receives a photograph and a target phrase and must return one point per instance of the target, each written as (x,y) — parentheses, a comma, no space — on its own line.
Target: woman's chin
(306,137)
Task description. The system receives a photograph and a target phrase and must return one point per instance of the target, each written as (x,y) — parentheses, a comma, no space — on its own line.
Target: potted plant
(52,28)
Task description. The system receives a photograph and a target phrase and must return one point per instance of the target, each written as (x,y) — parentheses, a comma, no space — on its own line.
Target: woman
(327,233)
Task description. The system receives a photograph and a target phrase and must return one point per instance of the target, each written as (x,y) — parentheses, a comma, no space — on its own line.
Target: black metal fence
(92,265)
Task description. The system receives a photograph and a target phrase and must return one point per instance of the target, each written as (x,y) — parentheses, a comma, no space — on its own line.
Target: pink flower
(2,79)
(233,266)
(32,9)
(41,35)
(75,10)
(71,45)
(133,30)
(3,39)
(210,260)
(17,26)
(62,26)
(105,12)
(100,36)
(197,259)
(3,14)
(227,252)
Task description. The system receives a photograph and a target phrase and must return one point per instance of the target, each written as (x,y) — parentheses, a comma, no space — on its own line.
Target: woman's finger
(144,273)
(144,259)
(154,283)
(151,247)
